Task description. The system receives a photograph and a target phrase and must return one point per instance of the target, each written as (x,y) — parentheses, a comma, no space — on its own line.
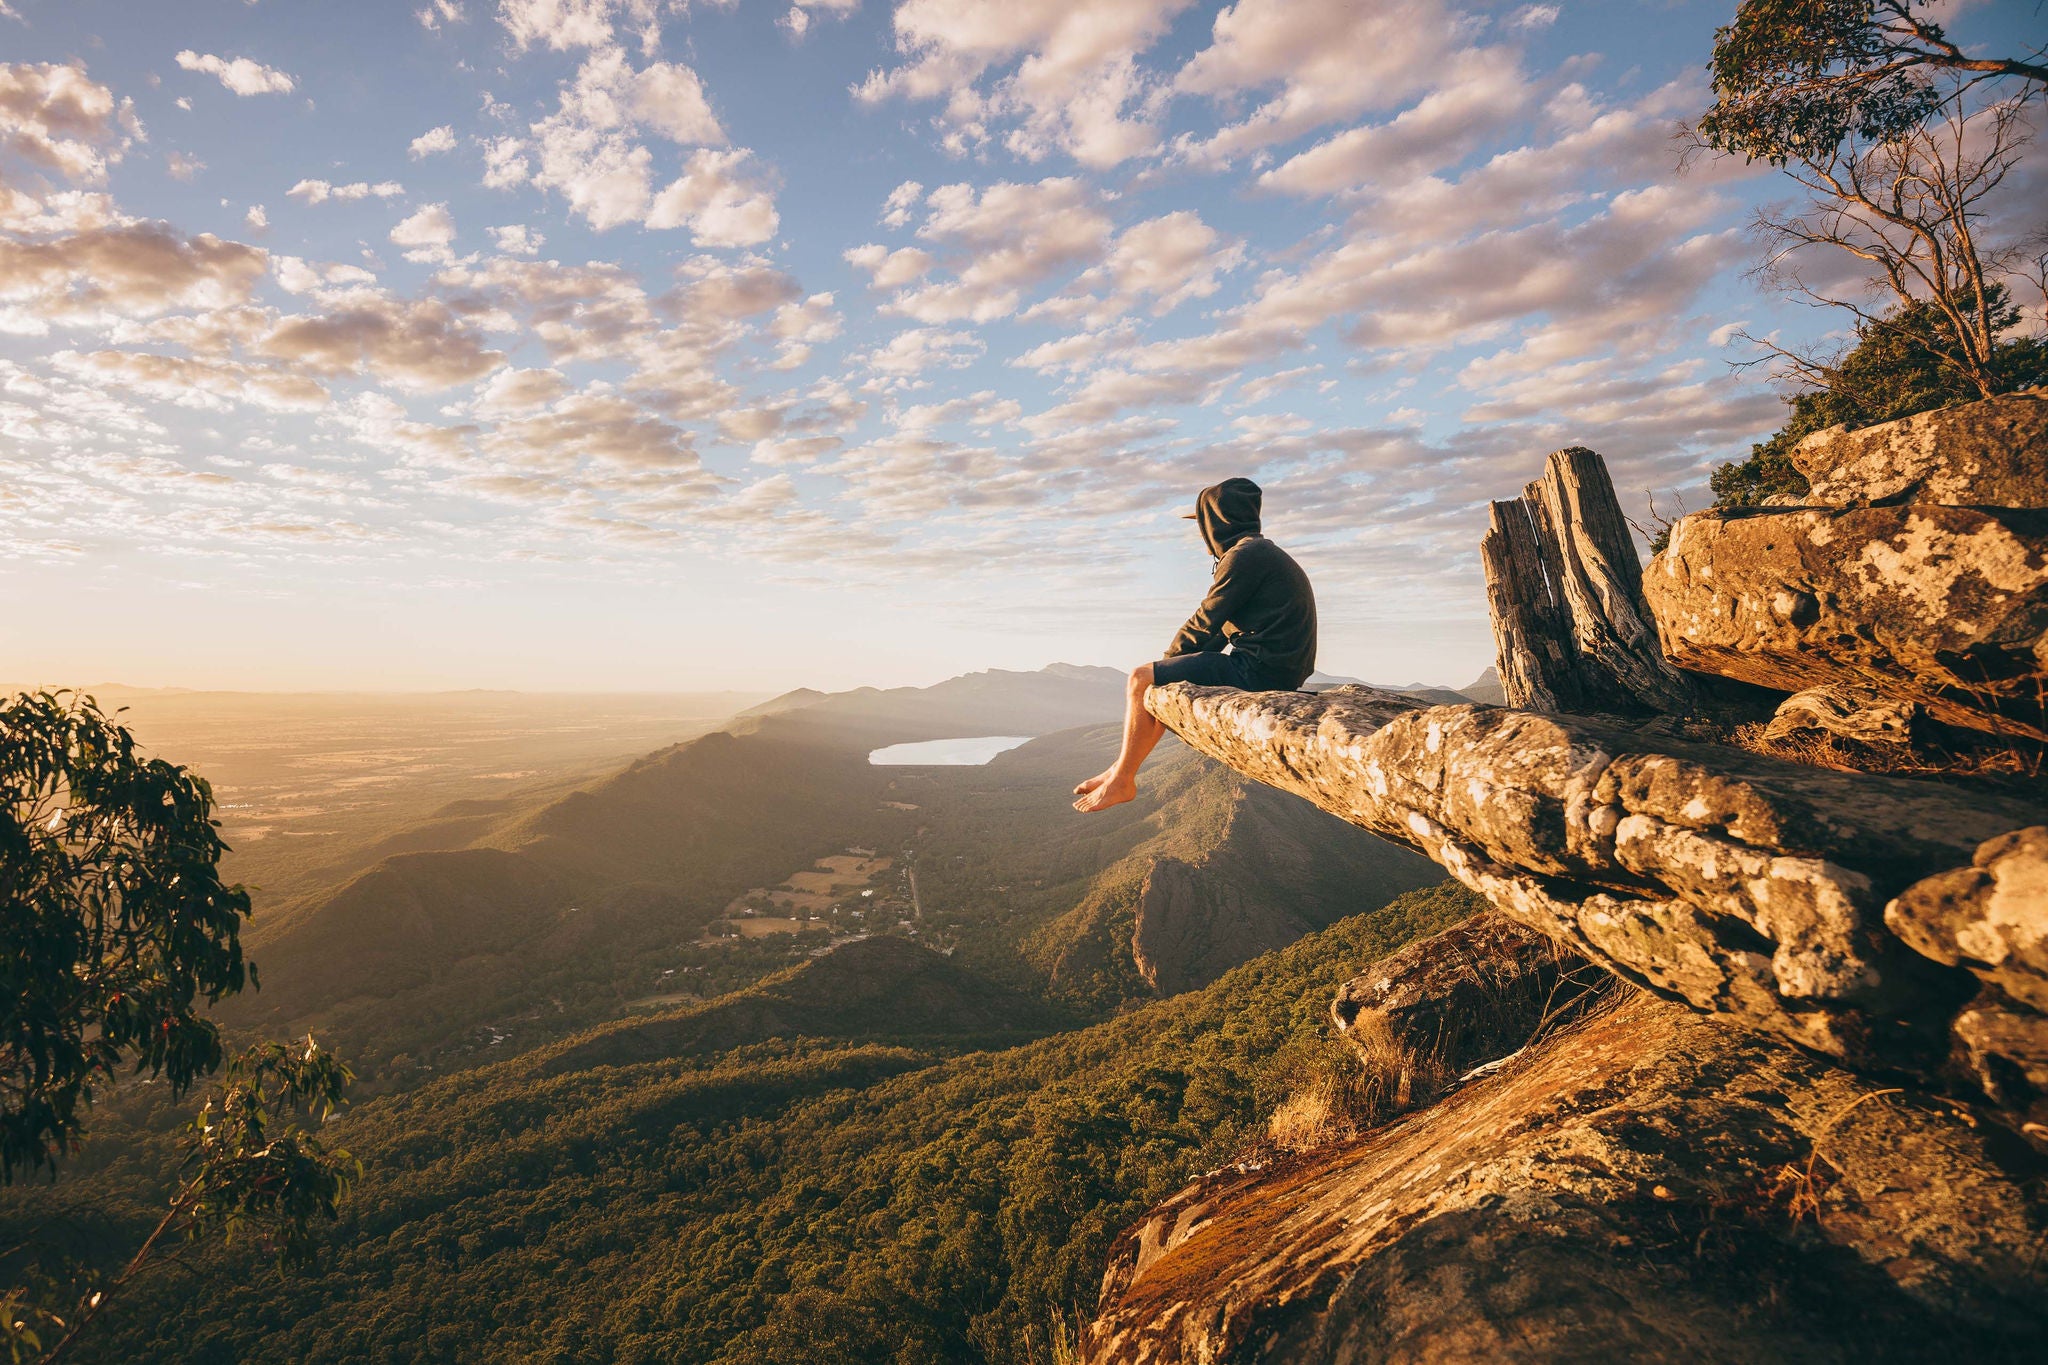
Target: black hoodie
(1260,603)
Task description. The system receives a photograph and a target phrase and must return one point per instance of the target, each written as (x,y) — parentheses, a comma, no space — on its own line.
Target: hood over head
(1227,512)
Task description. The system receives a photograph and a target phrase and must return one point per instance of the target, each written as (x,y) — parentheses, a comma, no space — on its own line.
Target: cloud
(436,14)
(1596,148)
(982,409)
(1109,392)
(320,191)
(517,239)
(712,289)
(1482,94)
(1076,352)
(588,155)
(514,390)
(566,24)
(1164,261)
(298,277)
(798,20)
(1075,87)
(592,425)
(578,312)
(717,201)
(434,140)
(901,204)
(911,353)
(505,163)
(195,382)
(794,450)
(887,269)
(1007,237)
(668,99)
(257,218)
(58,118)
(125,270)
(182,166)
(429,230)
(1330,59)
(800,326)
(239,74)
(1259,389)
(418,344)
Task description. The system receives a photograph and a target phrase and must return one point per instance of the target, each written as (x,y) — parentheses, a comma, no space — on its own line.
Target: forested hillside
(803,1200)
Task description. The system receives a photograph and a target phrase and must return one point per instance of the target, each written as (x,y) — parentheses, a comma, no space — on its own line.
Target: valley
(758,931)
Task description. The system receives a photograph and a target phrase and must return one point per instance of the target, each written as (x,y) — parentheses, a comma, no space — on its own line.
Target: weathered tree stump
(1566,591)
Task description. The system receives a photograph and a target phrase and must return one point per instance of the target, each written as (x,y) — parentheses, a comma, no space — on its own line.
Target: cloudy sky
(641,344)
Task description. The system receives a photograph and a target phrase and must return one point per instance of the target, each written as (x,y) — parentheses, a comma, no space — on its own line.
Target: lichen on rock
(1943,606)
(1751,888)
(1991,917)
(1988,454)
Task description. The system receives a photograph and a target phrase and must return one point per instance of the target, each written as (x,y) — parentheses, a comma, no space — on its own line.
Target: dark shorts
(1218,670)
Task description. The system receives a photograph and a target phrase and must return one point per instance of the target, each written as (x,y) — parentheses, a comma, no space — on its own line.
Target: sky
(649,345)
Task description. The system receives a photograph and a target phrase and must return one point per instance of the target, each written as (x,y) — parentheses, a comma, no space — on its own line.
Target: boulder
(1943,606)
(2003,1052)
(1845,712)
(1988,454)
(1638,1186)
(1749,887)
(1473,993)
(1991,917)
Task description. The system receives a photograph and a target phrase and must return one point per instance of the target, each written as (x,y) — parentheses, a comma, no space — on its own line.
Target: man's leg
(1119,782)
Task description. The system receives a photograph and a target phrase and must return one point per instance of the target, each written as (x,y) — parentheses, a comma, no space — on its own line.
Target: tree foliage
(791,1201)
(1794,78)
(249,1168)
(115,927)
(1901,141)
(115,931)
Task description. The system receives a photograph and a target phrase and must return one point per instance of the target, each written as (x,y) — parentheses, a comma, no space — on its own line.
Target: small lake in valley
(945,752)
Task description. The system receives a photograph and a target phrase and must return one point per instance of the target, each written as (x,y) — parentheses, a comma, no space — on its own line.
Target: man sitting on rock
(1260,607)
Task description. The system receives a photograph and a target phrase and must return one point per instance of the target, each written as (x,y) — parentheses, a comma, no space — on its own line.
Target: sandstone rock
(2004,1052)
(1473,993)
(1991,916)
(1943,606)
(1988,454)
(1633,1188)
(1749,887)
(1846,713)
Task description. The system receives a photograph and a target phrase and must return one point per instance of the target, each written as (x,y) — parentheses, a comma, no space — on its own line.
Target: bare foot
(1090,784)
(1113,792)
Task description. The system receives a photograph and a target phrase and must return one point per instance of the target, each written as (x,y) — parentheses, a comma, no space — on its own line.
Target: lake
(945,752)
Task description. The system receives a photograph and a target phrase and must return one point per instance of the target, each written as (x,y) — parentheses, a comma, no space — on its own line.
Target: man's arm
(1203,633)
